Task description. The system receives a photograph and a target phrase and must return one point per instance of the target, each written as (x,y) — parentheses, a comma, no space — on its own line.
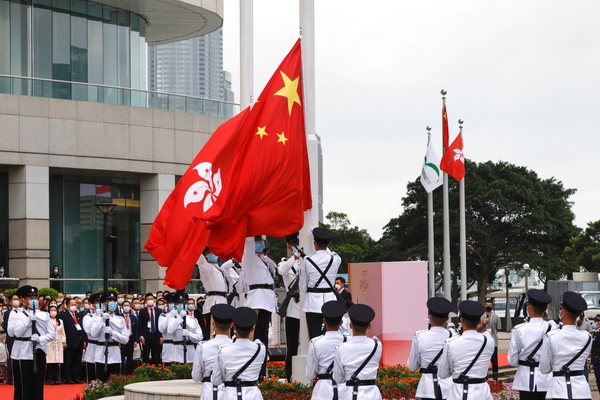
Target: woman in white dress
(56,347)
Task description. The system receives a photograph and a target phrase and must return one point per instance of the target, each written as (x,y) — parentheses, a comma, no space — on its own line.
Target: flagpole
(246,53)
(430,233)
(463,231)
(447,273)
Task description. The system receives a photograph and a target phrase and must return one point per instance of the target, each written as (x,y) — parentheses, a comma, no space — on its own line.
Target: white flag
(431,177)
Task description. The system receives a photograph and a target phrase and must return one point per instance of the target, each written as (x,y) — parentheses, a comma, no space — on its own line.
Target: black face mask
(488,309)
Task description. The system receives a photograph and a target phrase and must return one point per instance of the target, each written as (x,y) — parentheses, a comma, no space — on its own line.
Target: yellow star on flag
(262,131)
(290,91)
(282,138)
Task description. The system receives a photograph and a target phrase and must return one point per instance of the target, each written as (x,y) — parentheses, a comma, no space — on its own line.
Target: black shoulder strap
(537,347)
(245,366)
(321,272)
(364,364)
(566,366)
(466,371)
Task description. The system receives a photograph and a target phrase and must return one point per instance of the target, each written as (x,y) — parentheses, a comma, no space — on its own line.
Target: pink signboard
(397,291)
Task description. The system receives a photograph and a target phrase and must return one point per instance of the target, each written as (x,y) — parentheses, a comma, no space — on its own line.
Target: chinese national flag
(445,130)
(251,178)
(453,161)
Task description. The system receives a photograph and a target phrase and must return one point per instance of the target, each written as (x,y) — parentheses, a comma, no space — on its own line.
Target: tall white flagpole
(463,232)
(246,53)
(430,243)
(447,272)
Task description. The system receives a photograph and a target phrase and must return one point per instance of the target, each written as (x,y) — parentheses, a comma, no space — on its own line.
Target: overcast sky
(523,75)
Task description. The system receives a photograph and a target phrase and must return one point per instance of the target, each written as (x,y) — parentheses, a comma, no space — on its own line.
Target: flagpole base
(299,369)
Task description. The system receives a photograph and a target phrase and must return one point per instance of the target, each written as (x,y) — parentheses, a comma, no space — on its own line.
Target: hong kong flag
(453,161)
(251,178)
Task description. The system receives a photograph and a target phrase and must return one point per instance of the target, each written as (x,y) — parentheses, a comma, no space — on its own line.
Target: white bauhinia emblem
(207,189)
(458,155)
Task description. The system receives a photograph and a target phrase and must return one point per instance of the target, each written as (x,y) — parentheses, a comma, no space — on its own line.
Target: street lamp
(526,268)
(105,209)
(507,312)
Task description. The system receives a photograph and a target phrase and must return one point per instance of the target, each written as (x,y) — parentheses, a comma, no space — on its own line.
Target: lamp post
(526,268)
(507,307)
(105,209)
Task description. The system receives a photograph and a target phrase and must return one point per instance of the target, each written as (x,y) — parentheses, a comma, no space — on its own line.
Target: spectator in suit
(150,337)
(57,285)
(3,272)
(340,285)
(131,324)
(75,342)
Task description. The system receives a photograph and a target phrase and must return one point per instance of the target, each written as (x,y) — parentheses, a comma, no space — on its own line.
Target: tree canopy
(584,249)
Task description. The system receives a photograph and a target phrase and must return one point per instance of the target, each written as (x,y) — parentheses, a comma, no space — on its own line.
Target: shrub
(45,291)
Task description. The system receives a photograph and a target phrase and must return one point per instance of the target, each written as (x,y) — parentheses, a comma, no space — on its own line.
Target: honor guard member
(356,361)
(565,353)
(215,282)
(89,357)
(524,351)
(427,349)
(319,359)
(32,331)
(261,293)
(110,331)
(466,358)
(206,352)
(184,330)
(239,364)
(237,282)
(163,324)
(317,274)
(289,270)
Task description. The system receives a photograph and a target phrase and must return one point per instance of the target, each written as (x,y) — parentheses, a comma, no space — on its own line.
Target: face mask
(150,303)
(112,306)
(179,307)
(53,314)
(212,258)
(34,303)
(161,307)
(171,306)
(86,306)
(338,287)
(191,307)
(1,269)
(15,303)
(56,271)
(120,301)
(126,309)
(136,306)
(259,246)
(141,306)
(488,309)
(73,308)
(102,307)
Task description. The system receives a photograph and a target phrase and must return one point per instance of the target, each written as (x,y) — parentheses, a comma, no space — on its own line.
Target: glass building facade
(3,219)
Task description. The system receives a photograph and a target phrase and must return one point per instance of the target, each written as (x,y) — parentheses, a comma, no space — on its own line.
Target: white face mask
(73,309)
(53,314)
(136,306)
(338,287)
(150,303)
(15,303)
(120,301)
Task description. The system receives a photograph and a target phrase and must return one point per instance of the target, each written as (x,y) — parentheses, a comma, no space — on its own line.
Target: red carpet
(51,392)
(502,360)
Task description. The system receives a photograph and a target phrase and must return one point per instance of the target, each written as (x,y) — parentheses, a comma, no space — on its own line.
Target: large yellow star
(290,91)
(262,131)
(282,138)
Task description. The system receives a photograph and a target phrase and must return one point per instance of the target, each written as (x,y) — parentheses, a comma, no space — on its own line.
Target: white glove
(108,330)
(174,313)
(98,312)
(106,316)
(32,317)
(35,337)
(185,333)
(182,313)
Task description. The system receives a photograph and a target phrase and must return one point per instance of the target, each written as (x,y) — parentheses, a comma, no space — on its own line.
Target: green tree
(350,242)
(584,249)
(512,216)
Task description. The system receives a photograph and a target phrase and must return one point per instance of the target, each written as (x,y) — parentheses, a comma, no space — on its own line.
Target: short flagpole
(246,53)
(463,232)
(447,272)
(430,242)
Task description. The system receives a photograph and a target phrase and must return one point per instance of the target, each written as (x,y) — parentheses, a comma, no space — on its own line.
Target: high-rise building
(192,67)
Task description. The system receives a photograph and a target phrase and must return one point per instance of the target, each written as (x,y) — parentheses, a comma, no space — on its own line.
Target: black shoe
(69,382)
(78,381)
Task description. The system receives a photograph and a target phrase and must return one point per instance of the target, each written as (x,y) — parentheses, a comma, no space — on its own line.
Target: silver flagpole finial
(428,128)
(460,122)
(443,92)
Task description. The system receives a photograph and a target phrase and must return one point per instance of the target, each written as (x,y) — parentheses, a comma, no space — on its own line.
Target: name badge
(78,327)
(149,325)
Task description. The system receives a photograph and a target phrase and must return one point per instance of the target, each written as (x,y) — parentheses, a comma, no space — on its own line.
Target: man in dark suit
(75,342)
(131,324)
(340,285)
(150,337)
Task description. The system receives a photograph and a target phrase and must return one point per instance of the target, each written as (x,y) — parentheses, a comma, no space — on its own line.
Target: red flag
(445,130)
(251,178)
(453,161)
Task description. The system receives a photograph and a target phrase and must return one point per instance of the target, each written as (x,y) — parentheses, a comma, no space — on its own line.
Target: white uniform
(289,270)
(119,335)
(168,347)
(559,348)
(237,282)
(309,277)
(345,328)
(214,280)
(174,329)
(348,357)
(426,345)
(524,338)
(257,272)
(319,361)
(459,352)
(19,326)
(87,323)
(204,362)
(230,359)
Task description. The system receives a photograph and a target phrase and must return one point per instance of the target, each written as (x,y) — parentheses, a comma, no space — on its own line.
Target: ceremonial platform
(183,389)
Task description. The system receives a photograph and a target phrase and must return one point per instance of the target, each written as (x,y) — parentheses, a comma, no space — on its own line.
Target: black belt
(206,379)
(324,376)
(469,381)
(107,344)
(362,382)
(92,341)
(240,383)
(429,370)
(318,290)
(526,363)
(215,293)
(567,373)
(531,365)
(172,342)
(262,286)
(23,339)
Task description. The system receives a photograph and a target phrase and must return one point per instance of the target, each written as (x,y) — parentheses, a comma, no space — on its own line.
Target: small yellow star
(262,131)
(290,91)
(282,138)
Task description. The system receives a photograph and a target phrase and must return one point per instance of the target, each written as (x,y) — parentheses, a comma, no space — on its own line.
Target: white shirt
(257,273)
(119,335)
(426,345)
(86,323)
(213,279)
(459,352)
(230,359)
(174,328)
(286,270)
(19,325)
(524,338)
(309,276)
(348,357)
(318,360)
(559,348)
(204,361)
(237,281)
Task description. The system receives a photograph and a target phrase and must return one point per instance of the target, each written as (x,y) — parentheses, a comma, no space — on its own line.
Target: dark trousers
(30,386)
(112,369)
(261,331)
(206,327)
(315,324)
(495,364)
(532,395)
(127,357)
(597,374)
(9,370)
(72,364)
(91,372)
(292,333)
(53,371)
(153,347)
